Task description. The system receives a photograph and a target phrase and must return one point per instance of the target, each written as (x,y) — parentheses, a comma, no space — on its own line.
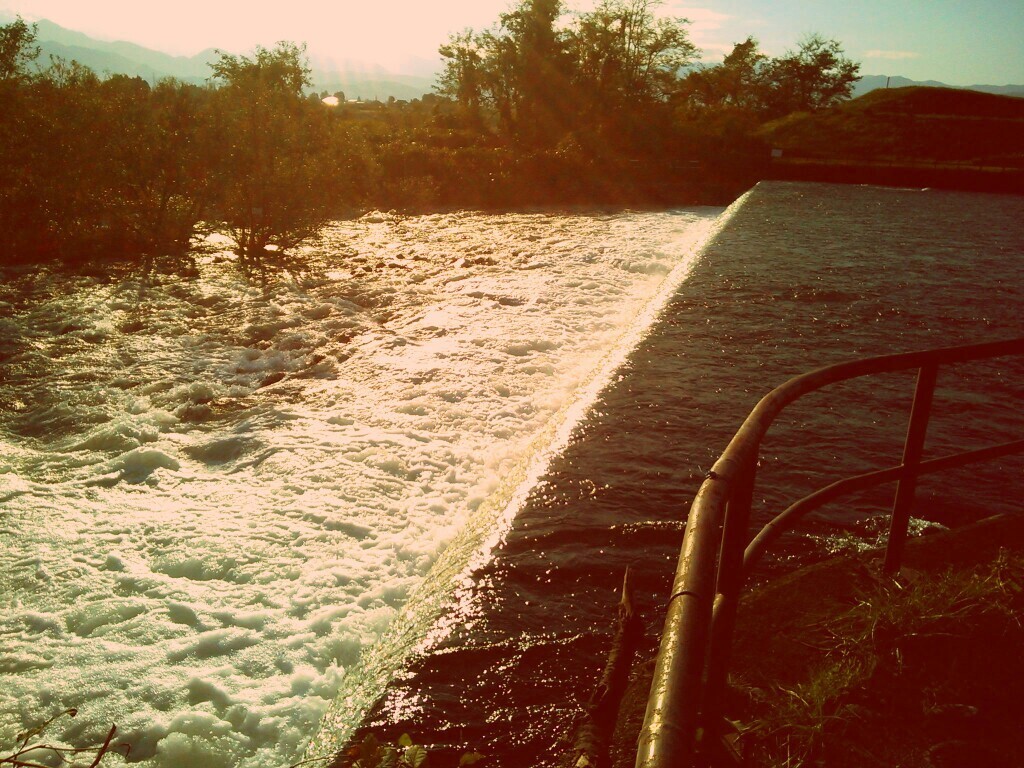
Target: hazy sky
(960,42)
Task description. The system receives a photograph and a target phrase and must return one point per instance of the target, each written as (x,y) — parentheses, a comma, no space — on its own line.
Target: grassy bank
(924,671)
(835,666)
(944,138)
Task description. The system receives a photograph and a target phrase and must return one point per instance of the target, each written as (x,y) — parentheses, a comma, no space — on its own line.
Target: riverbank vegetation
(925,671)
(544,108)
(934,126)
(917,136)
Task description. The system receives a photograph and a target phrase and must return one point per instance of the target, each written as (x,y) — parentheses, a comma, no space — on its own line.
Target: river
(397,489)
(219,492)
(801,275)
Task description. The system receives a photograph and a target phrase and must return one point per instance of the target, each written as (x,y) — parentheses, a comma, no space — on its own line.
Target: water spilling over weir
(422,622)
(219,494)
(235,512)
(801,275)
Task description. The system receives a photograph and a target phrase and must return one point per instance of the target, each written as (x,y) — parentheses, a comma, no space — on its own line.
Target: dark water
(804,275)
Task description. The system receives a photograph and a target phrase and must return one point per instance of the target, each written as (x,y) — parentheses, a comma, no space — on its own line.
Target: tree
(520,68)
(277,181)
(462,77)
(749,85)
(815,76)
(628,55)
(65,186)
(533,56)
(170,150)
(18,135)
(737,83)
(17,49)
(628,63)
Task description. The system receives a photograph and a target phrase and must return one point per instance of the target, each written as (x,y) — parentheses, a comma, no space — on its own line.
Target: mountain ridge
(356,79)
(869,83)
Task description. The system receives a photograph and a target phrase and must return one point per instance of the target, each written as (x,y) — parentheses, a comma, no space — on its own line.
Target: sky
(960,42)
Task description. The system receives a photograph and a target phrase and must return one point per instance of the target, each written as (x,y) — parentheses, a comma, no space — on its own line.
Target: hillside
(909,126)
(869,83)
(355,79)
(119,57)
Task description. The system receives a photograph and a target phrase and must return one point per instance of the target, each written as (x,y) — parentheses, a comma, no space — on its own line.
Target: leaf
(470,758)
(415,756)
(405,740)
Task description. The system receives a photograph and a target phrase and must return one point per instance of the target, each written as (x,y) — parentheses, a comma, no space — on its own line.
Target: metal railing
(684,708)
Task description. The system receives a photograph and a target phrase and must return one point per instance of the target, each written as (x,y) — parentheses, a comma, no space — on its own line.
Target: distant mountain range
(870,83)
(356,79)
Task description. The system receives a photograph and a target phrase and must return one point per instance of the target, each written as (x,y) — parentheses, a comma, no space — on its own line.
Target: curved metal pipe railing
(795,512)
(690,670)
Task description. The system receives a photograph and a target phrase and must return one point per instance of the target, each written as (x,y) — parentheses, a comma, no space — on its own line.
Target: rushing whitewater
(797,276)
(218,493)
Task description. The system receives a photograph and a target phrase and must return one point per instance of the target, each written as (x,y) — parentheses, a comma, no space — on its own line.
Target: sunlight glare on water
(218,493)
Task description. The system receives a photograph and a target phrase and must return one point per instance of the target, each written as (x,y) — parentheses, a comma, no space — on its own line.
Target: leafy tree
(92,169)
(67,175)
(815,76)
(605,71)
(17,49)
(519,68)
(183,149)
(536,52)
(17,126)
(165,145)
(628,63)
(277,184)
(628,55)
(462,76)
(738,82)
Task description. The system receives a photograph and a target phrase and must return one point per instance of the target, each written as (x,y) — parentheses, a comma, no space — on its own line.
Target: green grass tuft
(911,664)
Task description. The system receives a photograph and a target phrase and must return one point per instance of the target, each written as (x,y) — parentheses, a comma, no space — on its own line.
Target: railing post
(912,450)
(730,582)
(689,677)
(670,725)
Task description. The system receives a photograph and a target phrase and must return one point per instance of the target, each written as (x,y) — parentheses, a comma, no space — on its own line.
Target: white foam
(220,499)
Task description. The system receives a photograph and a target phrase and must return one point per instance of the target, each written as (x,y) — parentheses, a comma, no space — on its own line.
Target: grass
(924,671)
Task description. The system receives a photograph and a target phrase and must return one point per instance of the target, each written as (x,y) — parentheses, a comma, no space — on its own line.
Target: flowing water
(233,510)
(218,493)
(801,275)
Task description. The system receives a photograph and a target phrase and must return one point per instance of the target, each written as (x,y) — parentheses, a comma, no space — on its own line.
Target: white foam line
(568,418)
(419,624)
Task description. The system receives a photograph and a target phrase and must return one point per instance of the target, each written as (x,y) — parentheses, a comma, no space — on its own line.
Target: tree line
(620,78)
(104,169)
(543,108)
